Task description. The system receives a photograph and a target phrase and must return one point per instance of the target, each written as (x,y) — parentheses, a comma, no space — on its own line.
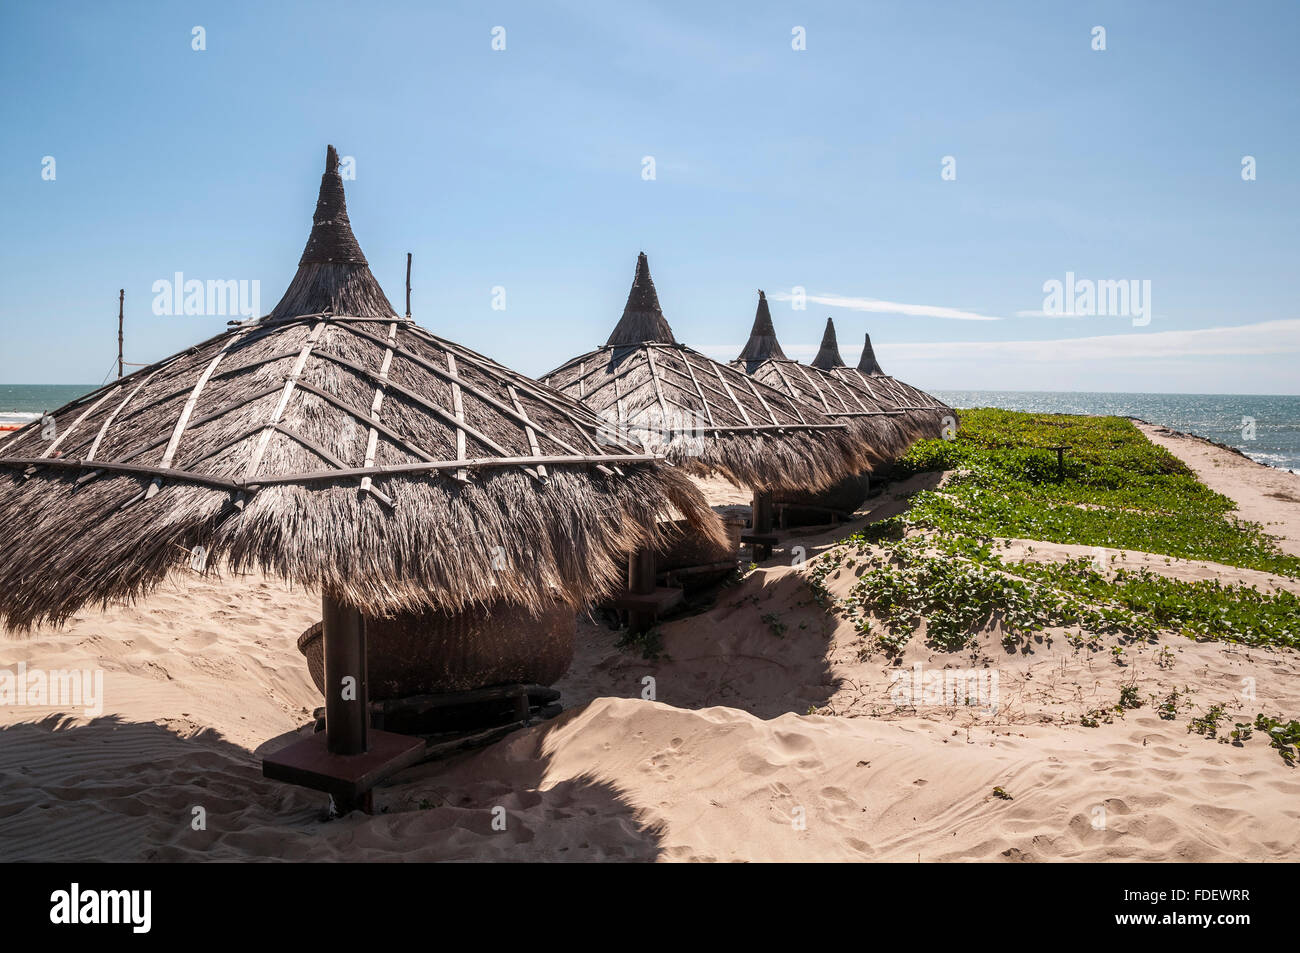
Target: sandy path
(1263,494)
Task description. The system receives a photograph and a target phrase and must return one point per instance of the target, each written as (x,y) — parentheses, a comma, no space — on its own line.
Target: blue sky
(775,168)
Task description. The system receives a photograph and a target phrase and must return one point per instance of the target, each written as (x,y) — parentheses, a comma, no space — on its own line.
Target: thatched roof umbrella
(337,445)
(705,415)
(702,414)
(924,409)
(883,432)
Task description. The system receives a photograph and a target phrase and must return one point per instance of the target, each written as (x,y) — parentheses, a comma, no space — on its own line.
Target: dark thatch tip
(332,272)
(829,354)
(762,344)
(331,240)
(868,363)
(643,320)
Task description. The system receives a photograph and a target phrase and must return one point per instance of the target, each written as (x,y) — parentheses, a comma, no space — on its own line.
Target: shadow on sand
(110,790)
(762,646)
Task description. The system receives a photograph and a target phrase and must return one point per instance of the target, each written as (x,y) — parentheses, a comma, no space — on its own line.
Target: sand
(1263,494)
(771,737)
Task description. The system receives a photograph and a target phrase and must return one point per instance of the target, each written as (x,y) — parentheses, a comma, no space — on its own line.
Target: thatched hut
(342,447)
(926,412)
(883,432)
(702,414)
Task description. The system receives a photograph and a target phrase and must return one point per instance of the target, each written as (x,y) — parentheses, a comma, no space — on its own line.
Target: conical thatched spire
(829,355)
(643,320)
(333,274)
(762,344)
(868,364)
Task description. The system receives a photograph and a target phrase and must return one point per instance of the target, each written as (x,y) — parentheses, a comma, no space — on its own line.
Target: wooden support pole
(761,518)
(350,759)
(121,300)
(408,284)
(346,693)
(640,582)
(761,513)
(1060,461)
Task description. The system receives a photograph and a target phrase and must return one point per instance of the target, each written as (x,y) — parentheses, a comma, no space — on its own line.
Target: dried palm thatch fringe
(288,445)
(437,547)
(703,415)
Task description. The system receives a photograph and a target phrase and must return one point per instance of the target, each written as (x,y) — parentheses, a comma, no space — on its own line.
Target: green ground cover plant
(936,564)
(1118,490)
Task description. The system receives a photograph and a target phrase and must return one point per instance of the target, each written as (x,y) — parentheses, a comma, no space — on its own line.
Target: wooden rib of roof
(351,450)
(701,413)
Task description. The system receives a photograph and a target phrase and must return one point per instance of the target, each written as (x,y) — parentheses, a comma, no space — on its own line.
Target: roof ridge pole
(408,285)
(528,429)
(699,390)
(54,445)
(754,390)
(179,430)
(290,382)
(794,390)
(659,390)
(817,387)
(459,406)
(108,422)
(744,415)
(372,441)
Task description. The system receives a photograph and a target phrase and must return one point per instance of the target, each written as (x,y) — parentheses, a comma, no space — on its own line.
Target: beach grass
(957,586)
(1118,490)
(937,563)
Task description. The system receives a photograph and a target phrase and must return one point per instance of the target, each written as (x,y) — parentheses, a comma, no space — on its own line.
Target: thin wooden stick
(54,445)
(459,407)
(179,430)
(205,479)
(121,300)
(372,442)
(290,382)
(532,437)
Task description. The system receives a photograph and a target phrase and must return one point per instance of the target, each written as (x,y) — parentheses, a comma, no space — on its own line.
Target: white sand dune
(726,763)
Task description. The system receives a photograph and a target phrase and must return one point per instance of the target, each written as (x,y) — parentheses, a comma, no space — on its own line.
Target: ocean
(23,403)
(1274,438)
(1220,417)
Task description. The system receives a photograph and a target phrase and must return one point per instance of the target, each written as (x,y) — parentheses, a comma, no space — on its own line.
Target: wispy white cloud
(1267,337)
(1264,338)
(877,306)
(1051,314)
